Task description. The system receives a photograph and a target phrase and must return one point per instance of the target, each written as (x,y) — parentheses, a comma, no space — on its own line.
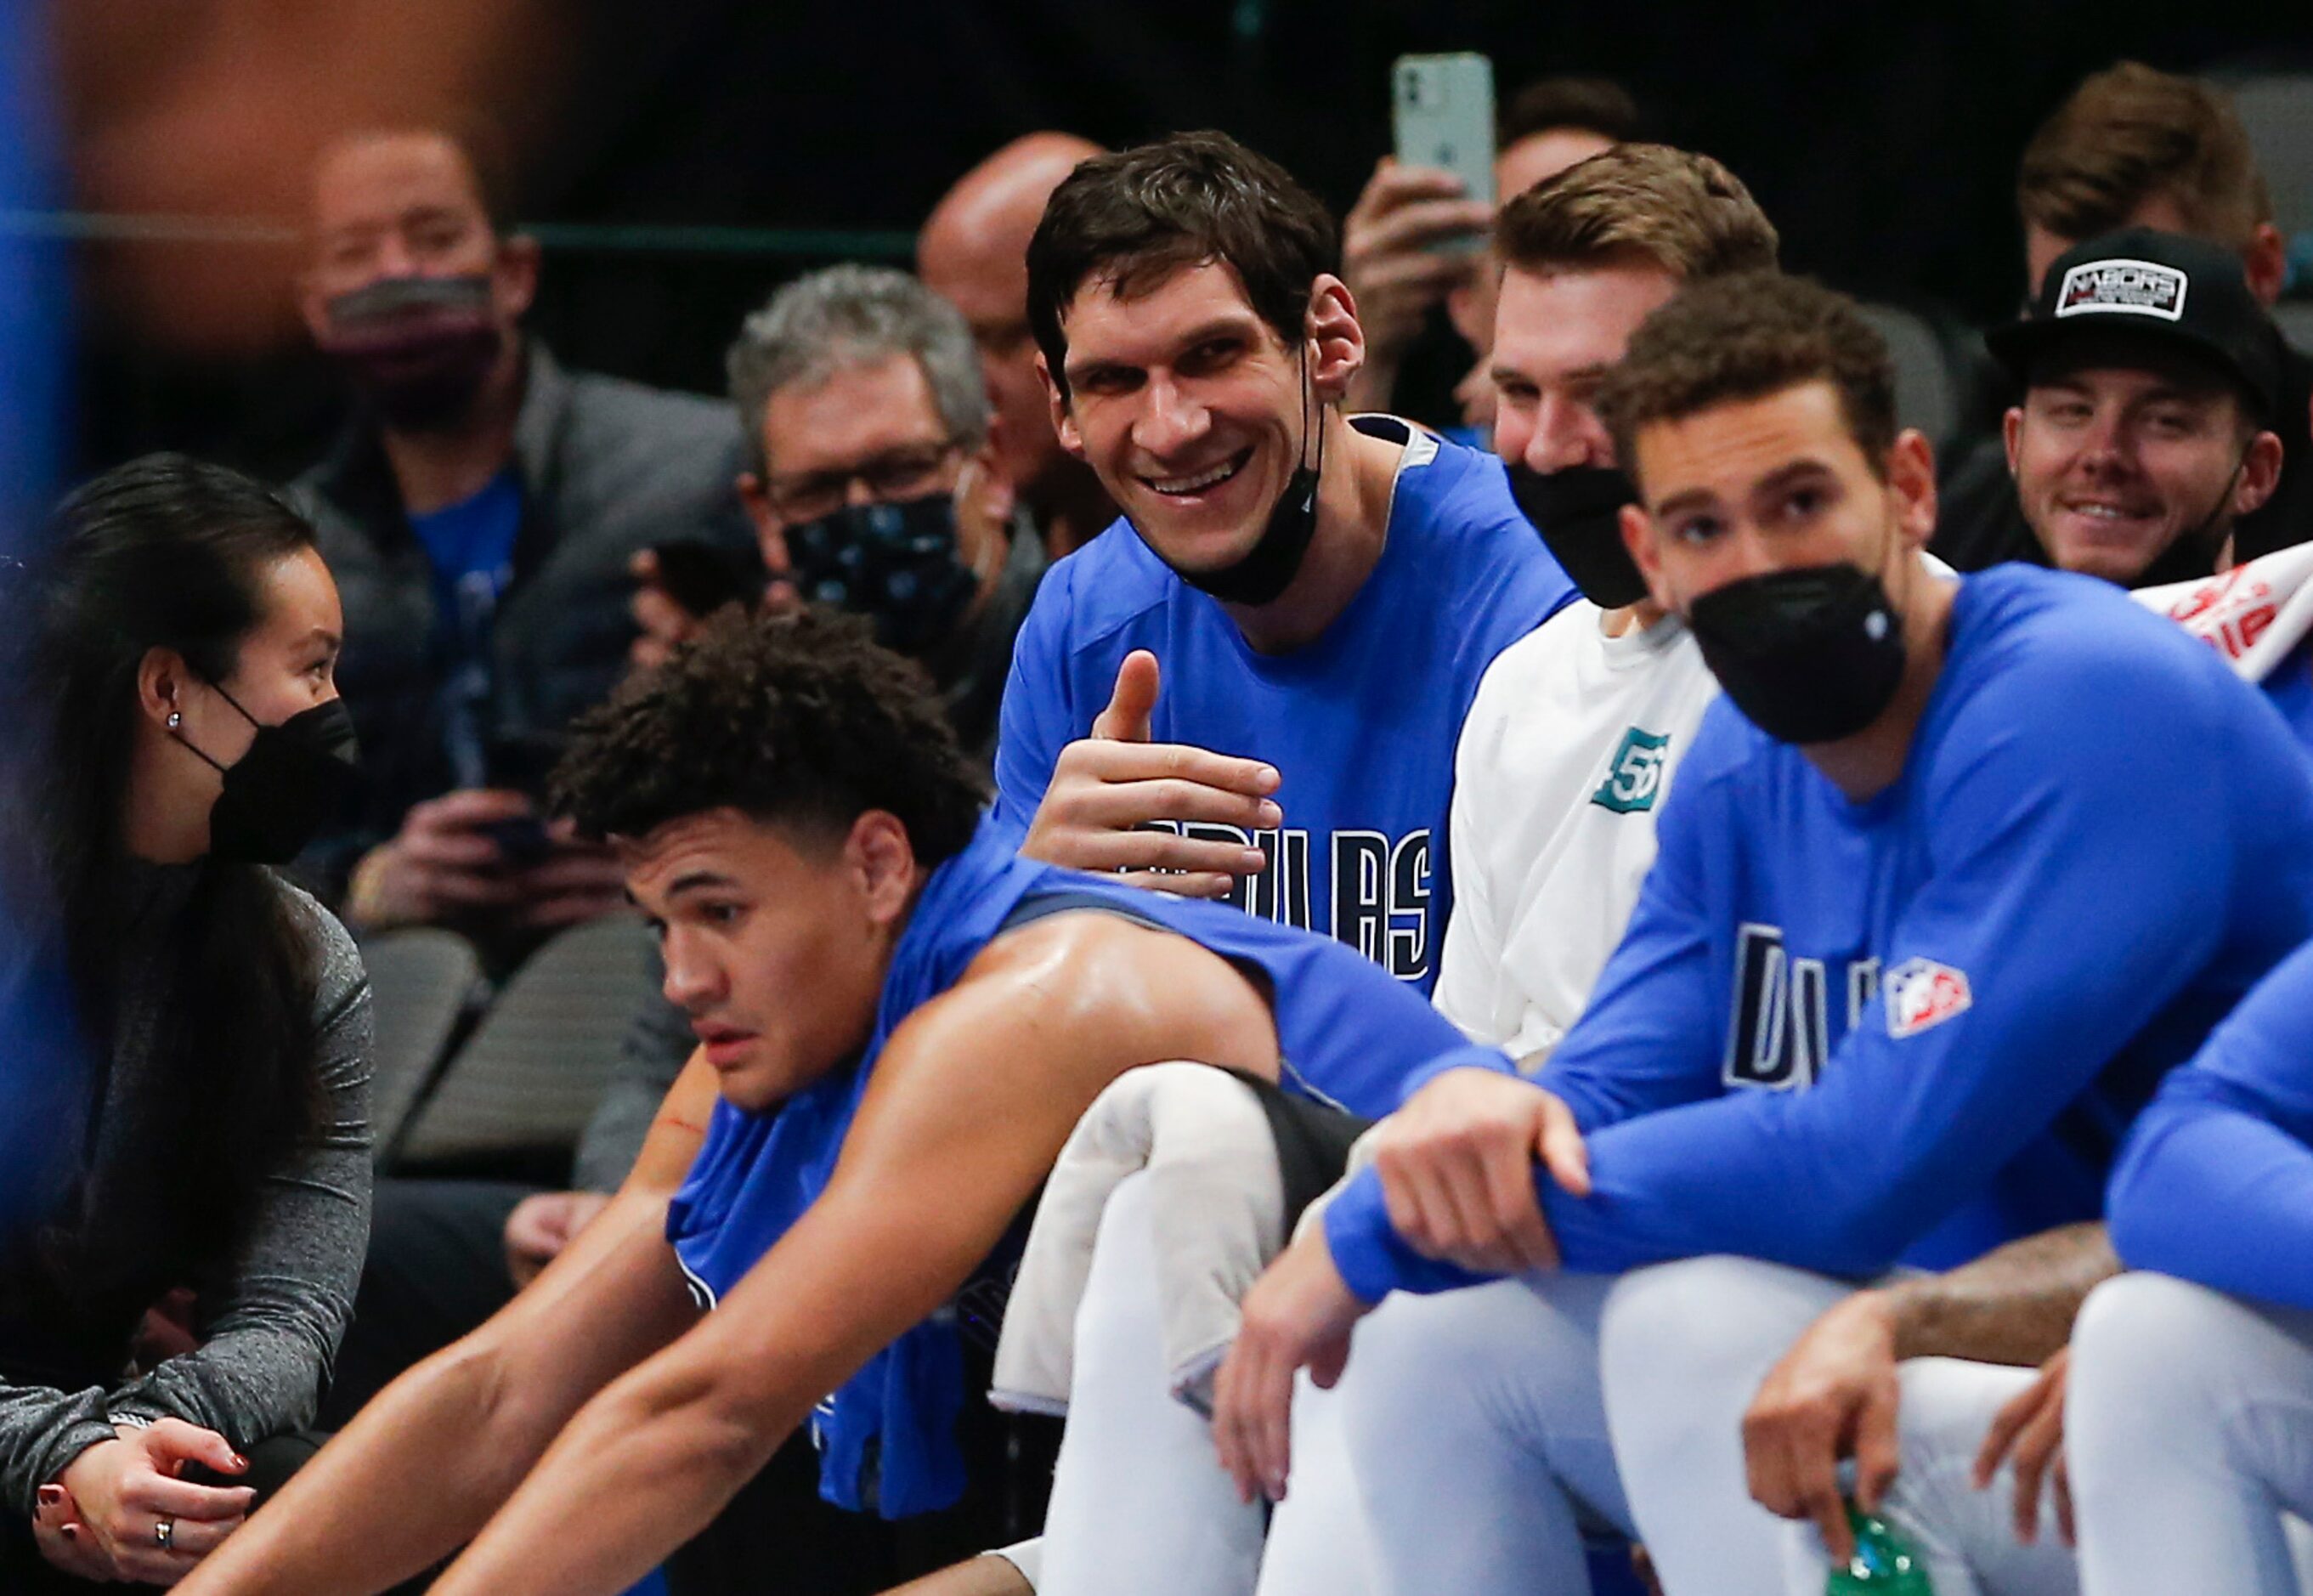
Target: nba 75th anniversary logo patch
(1921,992)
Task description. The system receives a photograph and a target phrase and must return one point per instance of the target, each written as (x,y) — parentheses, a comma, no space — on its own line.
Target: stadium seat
(526,1082)
(2296,318)
(1927,393)
(2276,108)
(421,982)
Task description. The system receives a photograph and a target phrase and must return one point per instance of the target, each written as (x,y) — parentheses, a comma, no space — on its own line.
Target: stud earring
(176,718)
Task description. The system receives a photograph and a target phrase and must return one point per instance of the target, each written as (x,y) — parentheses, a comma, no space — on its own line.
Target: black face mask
(294,776)
(1808,656)
(1270,565)
(2192,553)
(1577,511)
(896,563)
(419,347)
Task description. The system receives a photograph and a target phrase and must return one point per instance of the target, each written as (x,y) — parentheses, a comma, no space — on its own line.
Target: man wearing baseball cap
(2151,378)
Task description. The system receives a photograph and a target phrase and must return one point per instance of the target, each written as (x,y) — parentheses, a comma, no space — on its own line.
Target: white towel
(1218,1201)
(2253,615)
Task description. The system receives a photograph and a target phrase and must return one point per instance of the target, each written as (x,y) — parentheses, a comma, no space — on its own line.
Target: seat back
(2276,109)
(527,1081)
(2295,317)
(421,981)
(1927,390)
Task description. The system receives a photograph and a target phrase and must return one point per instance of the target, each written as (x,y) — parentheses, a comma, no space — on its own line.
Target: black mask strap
(1270,565)
(174,731)
(2192,553)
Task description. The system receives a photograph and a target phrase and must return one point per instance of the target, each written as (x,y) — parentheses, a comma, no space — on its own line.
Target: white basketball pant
(2190,1429)
(1140,1506)
(1483,1422)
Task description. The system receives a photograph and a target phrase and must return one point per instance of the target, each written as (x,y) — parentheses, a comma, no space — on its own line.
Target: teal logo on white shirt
(1634,775)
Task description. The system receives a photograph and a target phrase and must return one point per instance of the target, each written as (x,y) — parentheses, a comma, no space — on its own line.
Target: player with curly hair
(929,1014)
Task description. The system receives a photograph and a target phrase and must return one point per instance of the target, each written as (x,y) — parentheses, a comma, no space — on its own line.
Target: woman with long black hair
(176,730)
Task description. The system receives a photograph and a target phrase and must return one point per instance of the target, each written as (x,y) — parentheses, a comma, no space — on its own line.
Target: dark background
(1881,138)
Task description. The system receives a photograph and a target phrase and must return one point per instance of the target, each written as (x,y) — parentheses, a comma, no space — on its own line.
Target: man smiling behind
(1320,595)
(927,1013)
(2151,377)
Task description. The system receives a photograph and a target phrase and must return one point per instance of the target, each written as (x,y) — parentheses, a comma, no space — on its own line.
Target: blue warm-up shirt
(1349,1035)
(2290,685)
(1360,723)
(1840,1035)
(2216,1184)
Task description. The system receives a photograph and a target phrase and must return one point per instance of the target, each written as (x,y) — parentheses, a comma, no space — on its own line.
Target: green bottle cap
(1884,1563)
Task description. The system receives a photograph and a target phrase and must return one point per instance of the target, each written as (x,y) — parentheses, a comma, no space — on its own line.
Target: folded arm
(2216,1184)
(2017,974)
(269,1335)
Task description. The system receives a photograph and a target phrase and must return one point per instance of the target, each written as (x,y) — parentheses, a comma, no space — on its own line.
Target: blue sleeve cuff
(1374,1261)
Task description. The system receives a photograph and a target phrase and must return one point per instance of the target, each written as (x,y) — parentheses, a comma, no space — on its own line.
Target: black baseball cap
(2185,292)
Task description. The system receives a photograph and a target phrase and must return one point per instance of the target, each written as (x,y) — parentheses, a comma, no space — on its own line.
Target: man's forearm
(2014,1305)
(413,1477)
(421,1469)
(643,1467)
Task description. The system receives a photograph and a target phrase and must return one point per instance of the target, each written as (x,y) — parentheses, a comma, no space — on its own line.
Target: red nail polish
(239,1463)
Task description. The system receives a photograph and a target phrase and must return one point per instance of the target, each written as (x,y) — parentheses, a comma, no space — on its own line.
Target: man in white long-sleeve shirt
(1571,742)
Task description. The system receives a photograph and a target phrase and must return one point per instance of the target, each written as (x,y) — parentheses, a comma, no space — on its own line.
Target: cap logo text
(2129,287)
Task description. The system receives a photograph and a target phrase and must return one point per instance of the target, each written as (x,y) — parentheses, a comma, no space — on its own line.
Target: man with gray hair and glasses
(872,483)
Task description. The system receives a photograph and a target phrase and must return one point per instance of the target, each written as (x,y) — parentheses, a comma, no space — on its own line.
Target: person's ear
(1638,530)
(1911,478)
(2260,474)
(982,490)
(163,682)
(516,275)
(2011,436)
(771,532)
(1338,342)
(1064,421)
(883,862)
(2266,262)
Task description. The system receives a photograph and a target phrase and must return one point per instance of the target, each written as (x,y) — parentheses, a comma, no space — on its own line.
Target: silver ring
(165,1533)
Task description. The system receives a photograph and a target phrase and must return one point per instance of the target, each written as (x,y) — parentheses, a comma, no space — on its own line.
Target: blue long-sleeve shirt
(1839,1035)
(2216,1183)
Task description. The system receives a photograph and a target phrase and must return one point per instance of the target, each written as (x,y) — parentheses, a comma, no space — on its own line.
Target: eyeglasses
(910,471)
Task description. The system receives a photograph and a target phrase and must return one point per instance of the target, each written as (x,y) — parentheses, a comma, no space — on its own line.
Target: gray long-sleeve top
(272,1324)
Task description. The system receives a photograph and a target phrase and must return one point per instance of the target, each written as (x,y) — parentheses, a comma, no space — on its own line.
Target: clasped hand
(100,1519)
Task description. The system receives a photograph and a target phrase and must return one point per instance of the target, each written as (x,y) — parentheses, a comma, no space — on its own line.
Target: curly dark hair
(796,718)
(1746,336)
(1131,219)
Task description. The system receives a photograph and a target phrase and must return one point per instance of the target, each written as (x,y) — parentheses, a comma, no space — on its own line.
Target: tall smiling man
(1249,686)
